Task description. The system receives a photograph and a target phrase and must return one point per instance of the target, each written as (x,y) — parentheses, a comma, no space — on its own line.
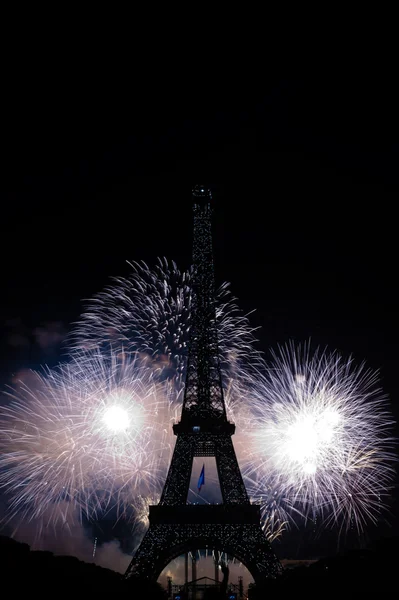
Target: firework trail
(316,439)
(92,432)
(149,312)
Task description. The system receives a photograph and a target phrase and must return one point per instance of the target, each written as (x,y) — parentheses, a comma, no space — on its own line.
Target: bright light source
(309,468)
(116,418)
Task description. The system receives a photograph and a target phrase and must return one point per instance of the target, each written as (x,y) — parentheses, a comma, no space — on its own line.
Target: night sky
(304,178)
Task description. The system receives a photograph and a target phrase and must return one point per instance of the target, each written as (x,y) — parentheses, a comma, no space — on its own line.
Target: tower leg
(230,478)
(177,482)
(164,542)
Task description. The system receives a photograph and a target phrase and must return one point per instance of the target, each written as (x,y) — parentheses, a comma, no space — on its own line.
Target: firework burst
(317,439)
(149,312)
(86,433)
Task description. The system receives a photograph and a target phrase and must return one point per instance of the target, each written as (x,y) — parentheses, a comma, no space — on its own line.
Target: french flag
(201,480)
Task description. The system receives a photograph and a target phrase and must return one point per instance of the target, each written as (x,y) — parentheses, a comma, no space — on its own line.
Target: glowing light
(315,436)
(313,431)
(309,468)
(116,418)
(149,312)
(308,437)
(91,433)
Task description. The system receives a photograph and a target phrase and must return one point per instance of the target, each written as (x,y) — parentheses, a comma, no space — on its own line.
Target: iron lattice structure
(175,526)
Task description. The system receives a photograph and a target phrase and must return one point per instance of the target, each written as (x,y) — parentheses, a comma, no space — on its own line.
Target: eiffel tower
(176,527)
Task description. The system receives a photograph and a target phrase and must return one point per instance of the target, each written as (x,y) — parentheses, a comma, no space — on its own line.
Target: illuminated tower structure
(176,527)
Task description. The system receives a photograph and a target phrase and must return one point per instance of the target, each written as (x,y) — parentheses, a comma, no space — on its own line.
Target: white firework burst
(87,432)
(316,438)
(149,312)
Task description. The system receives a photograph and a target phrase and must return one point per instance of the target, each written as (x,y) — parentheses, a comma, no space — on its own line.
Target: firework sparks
(150,312)
(91,429)
(313,431)
(141,506)
(318,439)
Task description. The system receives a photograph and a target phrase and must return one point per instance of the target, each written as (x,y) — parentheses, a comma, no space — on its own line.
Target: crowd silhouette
(356,574)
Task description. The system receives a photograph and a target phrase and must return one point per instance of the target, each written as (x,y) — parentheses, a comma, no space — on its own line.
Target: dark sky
(304,179)
(304,175)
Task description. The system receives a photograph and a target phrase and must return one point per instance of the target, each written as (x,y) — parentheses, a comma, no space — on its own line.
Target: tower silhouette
(204,430)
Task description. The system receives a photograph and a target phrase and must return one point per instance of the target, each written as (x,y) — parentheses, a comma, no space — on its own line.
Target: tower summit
(203,397)
(176,527)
